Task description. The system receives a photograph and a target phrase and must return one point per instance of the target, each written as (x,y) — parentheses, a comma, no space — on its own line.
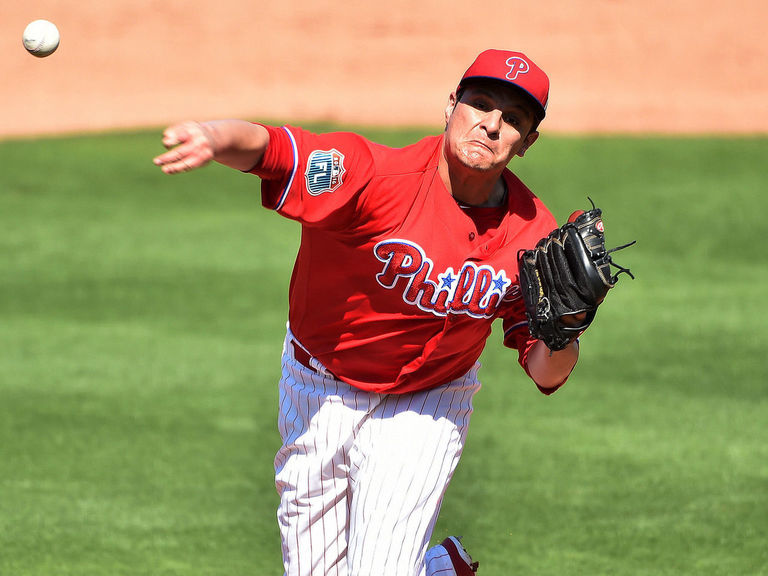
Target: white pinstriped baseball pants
(361,476)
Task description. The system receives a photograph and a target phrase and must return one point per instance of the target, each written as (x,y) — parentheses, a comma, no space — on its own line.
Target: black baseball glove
(566,277)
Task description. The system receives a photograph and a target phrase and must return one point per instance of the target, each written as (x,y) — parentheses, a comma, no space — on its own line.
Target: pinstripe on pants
(361,476)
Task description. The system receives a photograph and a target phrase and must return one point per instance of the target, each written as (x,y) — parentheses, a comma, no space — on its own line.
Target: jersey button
(471,235)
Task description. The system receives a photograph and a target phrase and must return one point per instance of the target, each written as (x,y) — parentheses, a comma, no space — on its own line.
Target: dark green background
(141,322)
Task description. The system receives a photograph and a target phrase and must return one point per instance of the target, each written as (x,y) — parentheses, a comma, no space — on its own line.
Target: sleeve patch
(325,171)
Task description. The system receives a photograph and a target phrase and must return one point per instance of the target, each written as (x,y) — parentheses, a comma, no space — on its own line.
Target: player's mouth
(483,145)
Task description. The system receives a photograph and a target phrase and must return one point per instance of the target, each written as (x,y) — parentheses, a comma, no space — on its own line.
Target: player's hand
(566,277)
(190,145)
(572,320)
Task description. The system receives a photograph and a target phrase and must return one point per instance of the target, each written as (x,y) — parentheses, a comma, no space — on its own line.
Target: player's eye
(511,119)
(480,103)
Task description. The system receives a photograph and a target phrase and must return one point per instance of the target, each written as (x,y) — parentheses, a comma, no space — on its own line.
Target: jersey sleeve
(316,179)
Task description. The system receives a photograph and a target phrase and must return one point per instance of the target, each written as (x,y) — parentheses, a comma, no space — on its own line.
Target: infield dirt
(650,66)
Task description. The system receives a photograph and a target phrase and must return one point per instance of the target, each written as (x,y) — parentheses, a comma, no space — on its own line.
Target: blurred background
(142,316)
(655,66)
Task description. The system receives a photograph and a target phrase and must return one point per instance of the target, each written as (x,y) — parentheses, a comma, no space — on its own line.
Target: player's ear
(533,135)
(452,100)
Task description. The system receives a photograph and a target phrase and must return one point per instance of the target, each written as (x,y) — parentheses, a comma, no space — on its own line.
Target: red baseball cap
(513,68)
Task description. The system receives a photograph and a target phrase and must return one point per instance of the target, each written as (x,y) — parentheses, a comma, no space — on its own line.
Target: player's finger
(178,167)
(170,139)
(183,132)
(179,145)
(573,320)
(189,147)
(174,155)
(175,135)
(181,164)
(184,158)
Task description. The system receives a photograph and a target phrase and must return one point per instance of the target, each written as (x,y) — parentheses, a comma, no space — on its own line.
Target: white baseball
(41,38)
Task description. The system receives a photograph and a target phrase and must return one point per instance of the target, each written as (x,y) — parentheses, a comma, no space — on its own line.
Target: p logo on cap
(517,66)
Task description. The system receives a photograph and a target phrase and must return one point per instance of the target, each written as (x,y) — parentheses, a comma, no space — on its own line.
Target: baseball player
(407,257)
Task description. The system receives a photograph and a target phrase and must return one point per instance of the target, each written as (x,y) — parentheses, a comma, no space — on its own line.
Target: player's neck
(473,187)
(478,192)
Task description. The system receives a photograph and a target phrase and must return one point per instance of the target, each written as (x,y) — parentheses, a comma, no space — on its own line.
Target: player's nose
(491,121)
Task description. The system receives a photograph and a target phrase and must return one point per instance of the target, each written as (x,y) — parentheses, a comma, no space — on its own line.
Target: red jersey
(394,288)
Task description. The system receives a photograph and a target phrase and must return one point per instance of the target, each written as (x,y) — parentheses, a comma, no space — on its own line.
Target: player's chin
(483,164)
(481,159)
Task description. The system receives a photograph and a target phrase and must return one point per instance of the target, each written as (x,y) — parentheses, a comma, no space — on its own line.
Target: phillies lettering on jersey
(395,287)
(474,290)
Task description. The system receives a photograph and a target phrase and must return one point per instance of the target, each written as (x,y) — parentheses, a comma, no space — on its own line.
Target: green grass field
(141,320)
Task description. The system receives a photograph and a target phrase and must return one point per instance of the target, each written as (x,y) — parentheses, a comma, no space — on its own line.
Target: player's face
(488,126)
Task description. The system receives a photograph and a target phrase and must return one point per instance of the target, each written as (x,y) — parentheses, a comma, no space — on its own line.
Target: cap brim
(539,111)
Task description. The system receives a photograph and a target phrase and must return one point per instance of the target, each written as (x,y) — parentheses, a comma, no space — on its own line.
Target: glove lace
(622,270)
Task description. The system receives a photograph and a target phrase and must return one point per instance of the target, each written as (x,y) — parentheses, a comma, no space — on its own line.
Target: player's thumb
(174,135)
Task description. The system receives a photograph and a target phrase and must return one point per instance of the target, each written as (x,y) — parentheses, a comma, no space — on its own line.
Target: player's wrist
(551,368)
